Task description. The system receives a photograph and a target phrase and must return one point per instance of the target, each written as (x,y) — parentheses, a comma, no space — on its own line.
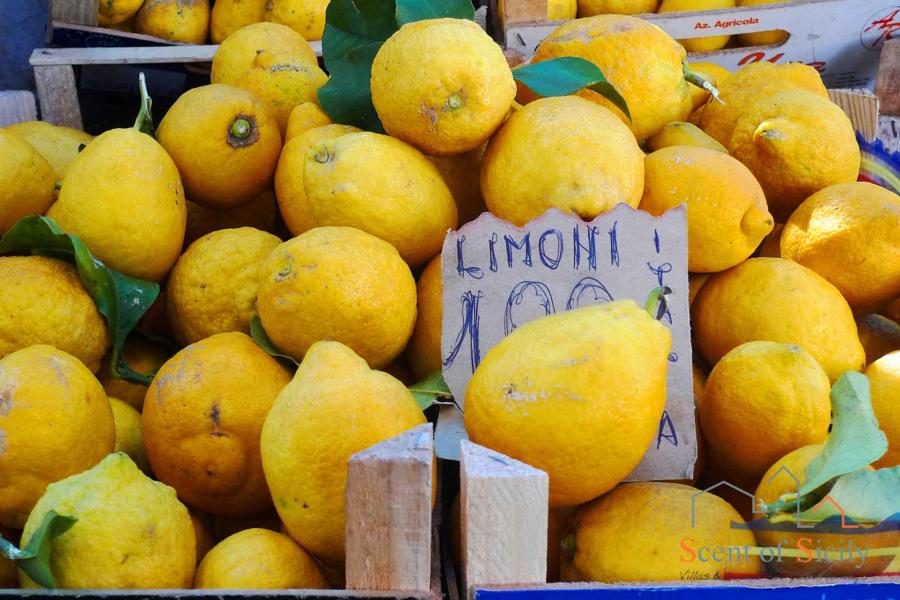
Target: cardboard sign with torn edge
(497,276)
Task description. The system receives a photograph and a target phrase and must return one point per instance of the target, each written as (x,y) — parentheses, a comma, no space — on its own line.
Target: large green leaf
(854,443)
(566,75)
(122,300)
(865,497)
(34,559)
(431,390)
(354,32)
(409,11)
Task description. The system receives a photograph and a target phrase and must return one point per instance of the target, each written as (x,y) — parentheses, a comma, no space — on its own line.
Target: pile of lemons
(229,470)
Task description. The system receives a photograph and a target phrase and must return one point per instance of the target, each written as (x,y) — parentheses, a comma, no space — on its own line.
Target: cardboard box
(842,39)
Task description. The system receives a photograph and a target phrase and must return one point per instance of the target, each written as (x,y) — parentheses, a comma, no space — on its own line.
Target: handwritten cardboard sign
(497,276)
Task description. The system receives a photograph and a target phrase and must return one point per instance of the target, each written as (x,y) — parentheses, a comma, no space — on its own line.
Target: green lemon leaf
(431,390)
(354,32)
(854,443)
(122,300)
(566,75)
(262,340)
(144,121)
(862,496)
(34,559)
(409,11)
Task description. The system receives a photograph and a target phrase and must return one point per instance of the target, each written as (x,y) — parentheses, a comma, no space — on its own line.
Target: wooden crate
(392,545)
(503,522)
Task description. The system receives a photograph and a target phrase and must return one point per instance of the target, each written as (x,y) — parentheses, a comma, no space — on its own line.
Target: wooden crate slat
(82,12)
(887,85)
(57,95)
(861,107)
(389,491)
(17,106)
(122,56)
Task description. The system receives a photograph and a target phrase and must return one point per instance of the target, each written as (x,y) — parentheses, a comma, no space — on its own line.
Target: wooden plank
(503,514)
(861,106)
(127,37)
(887,85)
(57,95)
(122,56)
(389,490)
(523,11)
(80,12)
(16,107)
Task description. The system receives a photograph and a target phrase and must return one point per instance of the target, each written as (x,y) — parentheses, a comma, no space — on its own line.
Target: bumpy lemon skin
(305,463)
(342,284)
(727,212)
(530,390)
(41,385)
(202,417)
(758,300)
(566,153)
(227,16)
(306,17)
(643,63)
(237,52)
(442,102)
(42,301)
(59,145)
(184,21)
(131,532)
(26,181)
(123,197)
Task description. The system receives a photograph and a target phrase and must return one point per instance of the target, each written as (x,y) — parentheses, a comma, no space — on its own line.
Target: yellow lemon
(700,44)
(758,300)
(237,52)
(123,197)
(306,17)
(303,117)
(443,102)
(670,522)
(225,142)
(184,21)
(878,335)
(884,378)
(212,288)
(564,153)
(557,10)
(114,12)
(713,73)
(590,8)
(260,213)
(129,435)
(695,282)
(382,186)
(768,387)
(143,356)
(283,81)
(643,63)
(761,38)
(59,145)
(755,81)
(55,421)
(850,235)
(26,181)
(425,344)
(796,143)
(202,418)
(305,462)
(679,133)
(228,16)
(131,531)
(342,284)
(222,527)
(577,394)
(290,184)
(771,246)
(461,174)
(259,559)
(726,209)
(42,301)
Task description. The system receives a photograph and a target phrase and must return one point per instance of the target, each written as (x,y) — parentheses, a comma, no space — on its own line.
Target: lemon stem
(701,82)
(241,128)
(144,121)
(658,302)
